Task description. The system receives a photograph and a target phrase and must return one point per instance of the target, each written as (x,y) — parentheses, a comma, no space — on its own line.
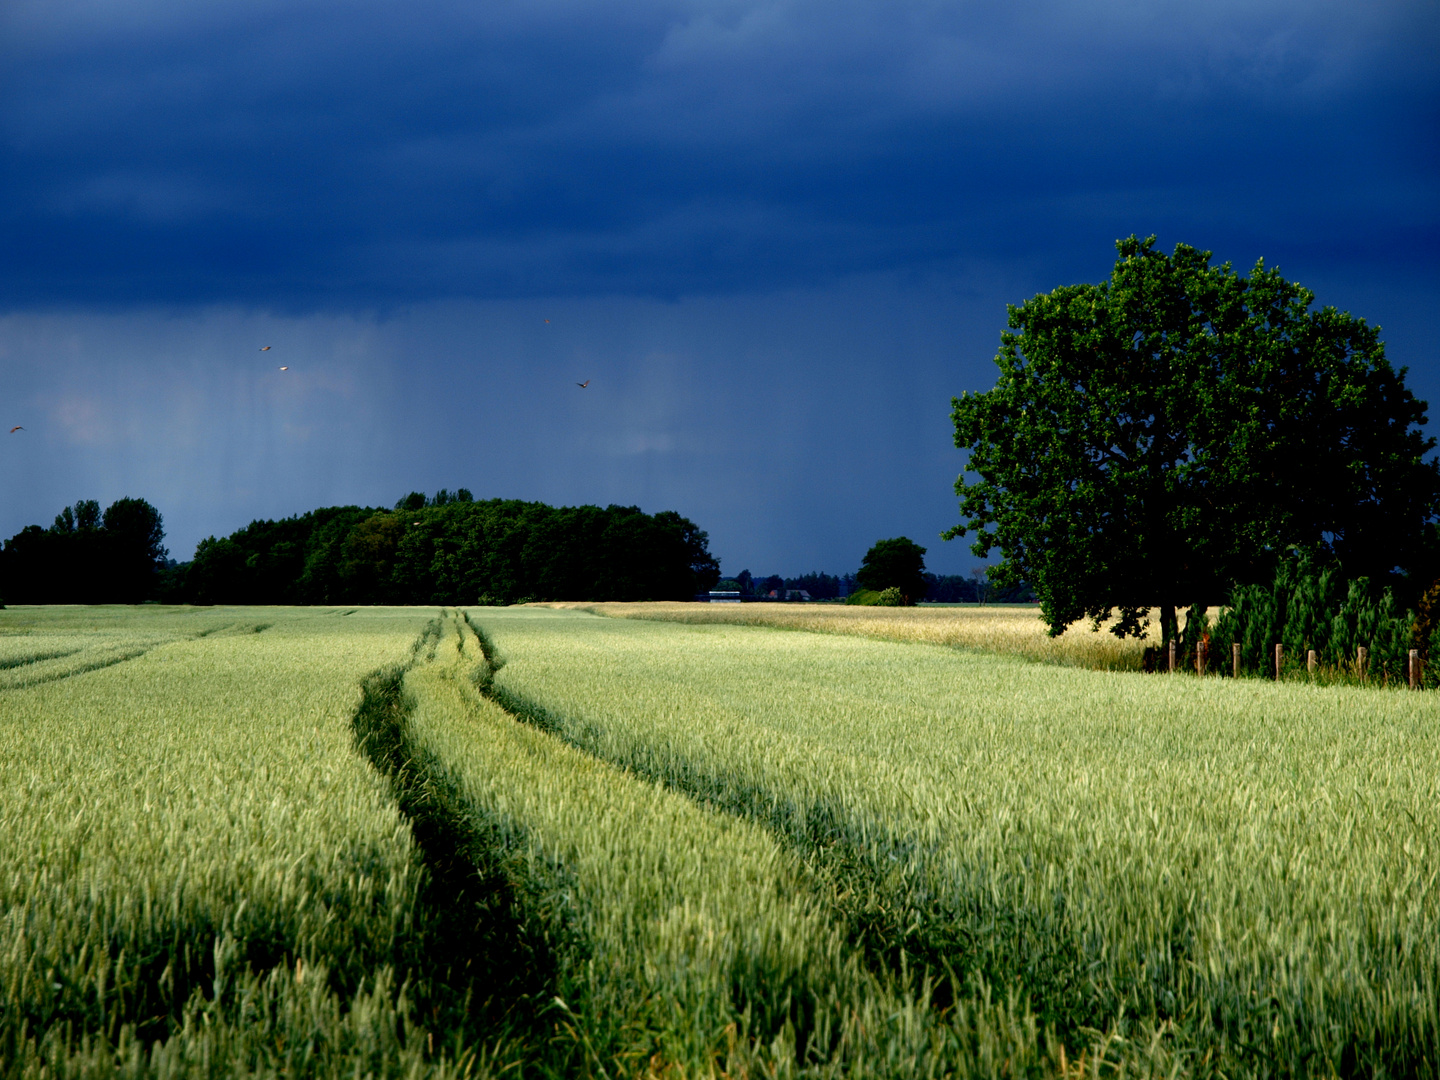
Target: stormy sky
(776,237)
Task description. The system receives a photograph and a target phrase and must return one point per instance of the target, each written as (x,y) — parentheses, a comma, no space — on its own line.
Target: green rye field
(536,842)
(199,876)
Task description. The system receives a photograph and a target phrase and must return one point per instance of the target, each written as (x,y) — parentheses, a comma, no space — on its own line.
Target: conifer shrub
(1310,606)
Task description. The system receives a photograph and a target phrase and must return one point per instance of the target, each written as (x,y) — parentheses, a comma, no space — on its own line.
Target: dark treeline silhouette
(445,549)
(939,588)
(974,589)
(449,549)
(87,557)
(820,586)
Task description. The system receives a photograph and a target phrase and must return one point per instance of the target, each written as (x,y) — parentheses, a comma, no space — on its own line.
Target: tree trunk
(1169,623)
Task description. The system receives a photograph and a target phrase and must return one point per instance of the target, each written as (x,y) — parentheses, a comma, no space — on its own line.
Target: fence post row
(1415,669)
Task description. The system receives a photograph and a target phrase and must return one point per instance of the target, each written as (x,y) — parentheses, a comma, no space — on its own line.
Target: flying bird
(16,428)
(264,348)
(285,367)
(547,320)
(584,384)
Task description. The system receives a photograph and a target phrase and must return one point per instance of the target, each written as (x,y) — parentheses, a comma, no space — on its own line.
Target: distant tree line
(939,588)
(445,549)
(897,563)
(974,588)
(117,557)
(893,572)
(451,549)
(820,586)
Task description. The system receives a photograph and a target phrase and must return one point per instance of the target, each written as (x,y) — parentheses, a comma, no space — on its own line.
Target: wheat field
(532,842)
(199,875)
(1013,629)
(1240,874)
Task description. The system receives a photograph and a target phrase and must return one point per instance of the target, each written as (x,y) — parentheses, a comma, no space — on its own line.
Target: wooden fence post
(1310,662)
(1279,658)
(1414,669)
(1235,657)
(1362,658)
(1202,656)
(1172,657)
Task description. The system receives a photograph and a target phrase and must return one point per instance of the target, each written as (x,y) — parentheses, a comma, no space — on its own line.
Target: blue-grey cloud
(778,234)
(320,154)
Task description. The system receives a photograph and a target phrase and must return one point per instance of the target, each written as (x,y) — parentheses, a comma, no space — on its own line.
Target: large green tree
(1161,436)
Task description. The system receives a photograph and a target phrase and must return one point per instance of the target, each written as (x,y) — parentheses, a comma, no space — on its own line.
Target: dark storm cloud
(335,155)
(777,237)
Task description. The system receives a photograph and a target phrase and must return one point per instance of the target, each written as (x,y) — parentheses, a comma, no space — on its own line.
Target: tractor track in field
(896,935)
(10,663)
(98,664)
(22,680)
(483,966)
(892,935)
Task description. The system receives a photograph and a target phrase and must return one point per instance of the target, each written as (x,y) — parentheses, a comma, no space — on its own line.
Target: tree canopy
(450,549)
(898,563)
(1159,437)
(445,549)
(86,557)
